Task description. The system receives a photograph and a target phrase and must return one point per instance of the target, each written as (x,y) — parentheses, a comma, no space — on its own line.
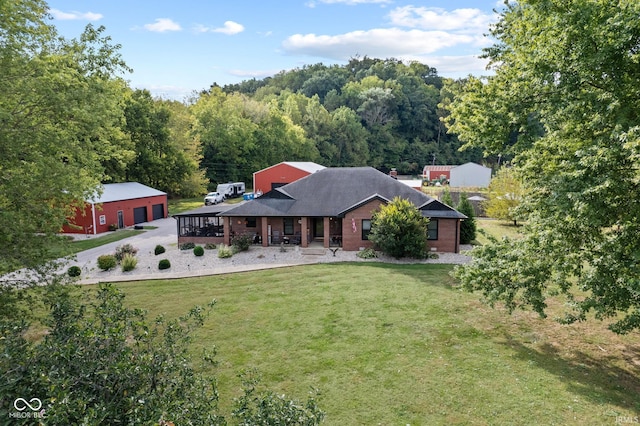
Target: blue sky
(178,47)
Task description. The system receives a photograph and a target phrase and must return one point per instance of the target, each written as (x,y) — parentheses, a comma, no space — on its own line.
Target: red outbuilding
(119,206)
(437,172)
(281,174)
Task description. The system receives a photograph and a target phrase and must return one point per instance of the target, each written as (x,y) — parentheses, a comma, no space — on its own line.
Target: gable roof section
(330,192)
(124,191)
(306,166)
(437,209)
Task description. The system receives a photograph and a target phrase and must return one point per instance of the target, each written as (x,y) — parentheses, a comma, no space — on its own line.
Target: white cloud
(162,25)
(460,20)
(229,28)
(69,16)
(379,43)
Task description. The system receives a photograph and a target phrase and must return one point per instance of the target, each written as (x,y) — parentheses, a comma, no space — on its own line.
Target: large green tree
(60,121)
(159,160)
(564,99)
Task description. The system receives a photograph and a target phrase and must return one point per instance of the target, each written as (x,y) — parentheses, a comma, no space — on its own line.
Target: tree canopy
(564,101)
(60,119)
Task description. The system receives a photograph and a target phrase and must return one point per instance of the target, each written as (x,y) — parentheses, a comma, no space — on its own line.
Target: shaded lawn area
(180,205)
(399,344)
(496,228)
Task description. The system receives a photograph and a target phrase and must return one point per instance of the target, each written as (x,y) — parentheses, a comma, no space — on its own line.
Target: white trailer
(231,189)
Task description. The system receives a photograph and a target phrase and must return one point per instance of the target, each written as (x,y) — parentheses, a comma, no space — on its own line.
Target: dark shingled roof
(334,192)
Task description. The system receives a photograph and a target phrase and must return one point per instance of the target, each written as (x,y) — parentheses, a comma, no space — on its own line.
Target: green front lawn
(400,344)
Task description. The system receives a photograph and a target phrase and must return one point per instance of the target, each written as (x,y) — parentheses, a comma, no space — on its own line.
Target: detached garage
(119,206)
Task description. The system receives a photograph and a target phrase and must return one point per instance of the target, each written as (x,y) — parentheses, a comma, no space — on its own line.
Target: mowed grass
(400,344)
(496,228)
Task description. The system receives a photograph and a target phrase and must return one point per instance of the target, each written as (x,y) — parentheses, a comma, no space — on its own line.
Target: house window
(251,222)
(432,229)
(103,219)
(288,226)
(366,228)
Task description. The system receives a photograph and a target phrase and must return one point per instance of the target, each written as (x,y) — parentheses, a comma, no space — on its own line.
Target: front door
(318,227)
(120,219)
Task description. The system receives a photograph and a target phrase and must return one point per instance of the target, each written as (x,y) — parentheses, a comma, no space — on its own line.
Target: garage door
(139,214)
(158,211)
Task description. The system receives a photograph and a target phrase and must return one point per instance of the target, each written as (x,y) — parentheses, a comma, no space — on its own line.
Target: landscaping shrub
(128,262)
(187,246)
(210,246)
(367,253)
(164,264)
(159,250)
(113,227)
(107,261)
(399,230)
(241,243)
(198,250)
(123,250)
(224,251)
(74,271)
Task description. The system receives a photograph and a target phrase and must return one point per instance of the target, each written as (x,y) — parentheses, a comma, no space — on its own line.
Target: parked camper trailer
(231,189)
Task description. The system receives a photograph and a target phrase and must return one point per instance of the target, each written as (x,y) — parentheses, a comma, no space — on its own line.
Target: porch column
(226,225)
(265,231)
(304,231)
(326,231)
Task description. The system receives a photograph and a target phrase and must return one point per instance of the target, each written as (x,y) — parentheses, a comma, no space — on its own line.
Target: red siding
(280,173)
(110,213)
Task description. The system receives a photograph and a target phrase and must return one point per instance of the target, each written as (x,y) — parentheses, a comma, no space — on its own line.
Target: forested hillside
(378,112)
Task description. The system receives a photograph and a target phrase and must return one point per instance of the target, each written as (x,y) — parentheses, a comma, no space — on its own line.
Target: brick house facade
(331,207)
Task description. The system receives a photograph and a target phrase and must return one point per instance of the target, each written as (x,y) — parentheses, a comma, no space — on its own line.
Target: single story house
(281,174)
(119,205)
(331,207)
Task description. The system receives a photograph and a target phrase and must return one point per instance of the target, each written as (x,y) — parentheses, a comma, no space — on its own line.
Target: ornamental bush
(224,251)
(187,246)
(367,253)
(74,271)
(107,262)
(399,230)
(241,243)
(164,264)
(159,250)
(198,250)
(128,263)
(123,250)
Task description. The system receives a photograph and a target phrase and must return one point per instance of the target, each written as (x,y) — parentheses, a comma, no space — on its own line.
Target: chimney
(393,173)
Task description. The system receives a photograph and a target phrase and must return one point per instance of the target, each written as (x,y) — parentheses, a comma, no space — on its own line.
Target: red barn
(436,172)
(281,174)
(120,205)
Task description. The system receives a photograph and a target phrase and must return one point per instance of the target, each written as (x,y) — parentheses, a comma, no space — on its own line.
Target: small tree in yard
(467,226)
(505,195)
(399,230)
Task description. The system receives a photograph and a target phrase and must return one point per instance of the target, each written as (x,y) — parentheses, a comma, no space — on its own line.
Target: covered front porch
(275,230)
